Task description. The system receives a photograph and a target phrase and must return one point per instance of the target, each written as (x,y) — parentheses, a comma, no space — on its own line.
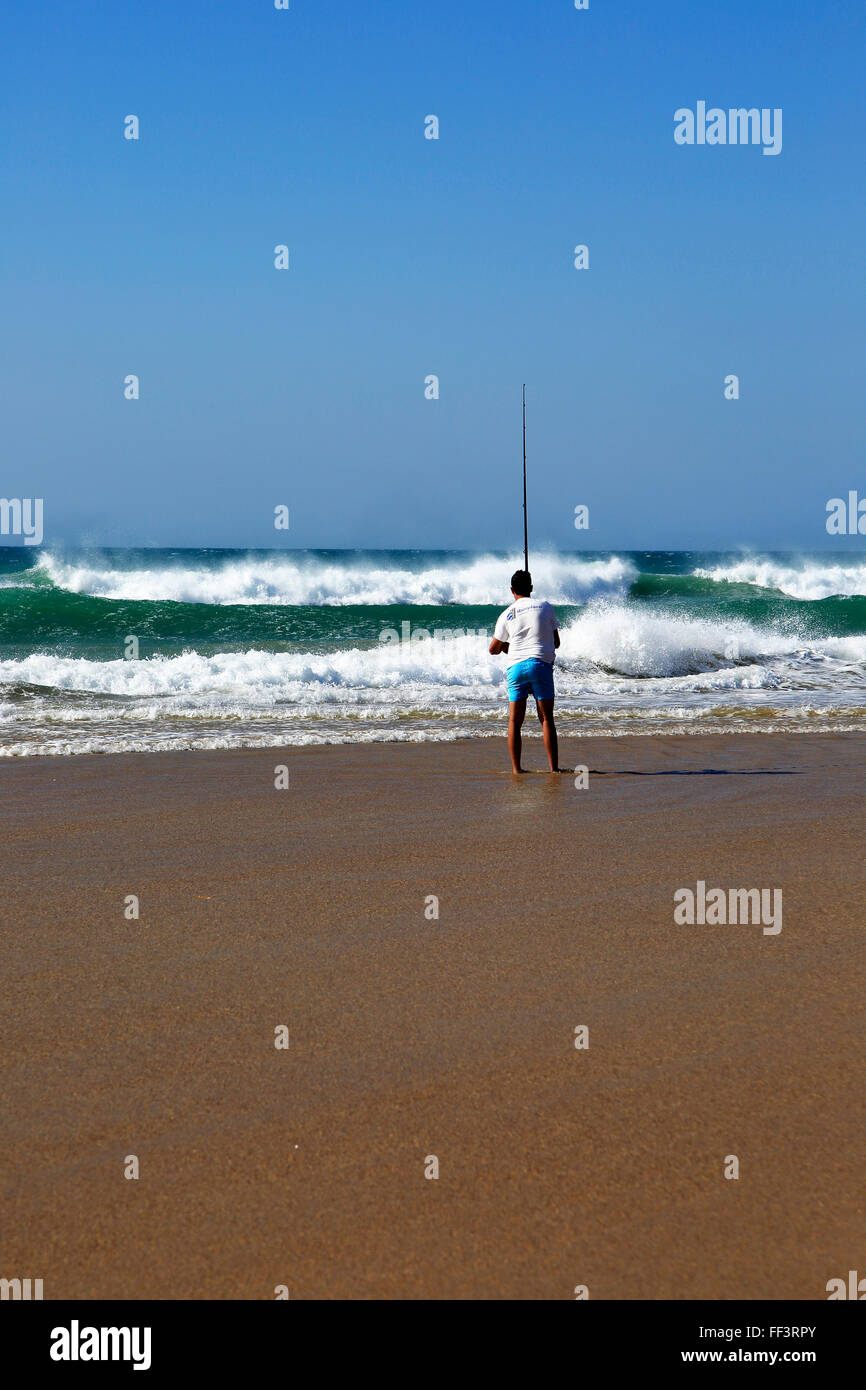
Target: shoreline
(530,737)
(452,1036)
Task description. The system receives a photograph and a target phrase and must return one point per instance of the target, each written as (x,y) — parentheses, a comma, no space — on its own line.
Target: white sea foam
(269,579)
(631,641)
(305,578)
(811,579)
(608,648)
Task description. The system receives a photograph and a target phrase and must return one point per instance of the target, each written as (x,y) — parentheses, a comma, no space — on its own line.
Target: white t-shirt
(528,627)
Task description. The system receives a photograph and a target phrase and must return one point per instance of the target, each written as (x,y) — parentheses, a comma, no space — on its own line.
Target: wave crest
(284,580)
(811,580)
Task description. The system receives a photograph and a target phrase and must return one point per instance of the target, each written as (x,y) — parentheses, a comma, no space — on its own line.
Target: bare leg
(548,729)
(516,711)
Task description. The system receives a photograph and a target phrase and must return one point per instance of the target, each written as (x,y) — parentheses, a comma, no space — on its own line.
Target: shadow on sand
(702,772)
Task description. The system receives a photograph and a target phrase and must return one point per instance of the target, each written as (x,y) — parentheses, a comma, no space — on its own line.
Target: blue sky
(412,257)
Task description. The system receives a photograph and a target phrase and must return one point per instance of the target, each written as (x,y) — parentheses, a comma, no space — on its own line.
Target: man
(529,633)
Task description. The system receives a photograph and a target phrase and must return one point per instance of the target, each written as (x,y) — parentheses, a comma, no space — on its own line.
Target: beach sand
(454,1037)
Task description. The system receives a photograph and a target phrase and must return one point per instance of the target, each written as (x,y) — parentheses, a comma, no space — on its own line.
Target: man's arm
(555,637)
(496,647)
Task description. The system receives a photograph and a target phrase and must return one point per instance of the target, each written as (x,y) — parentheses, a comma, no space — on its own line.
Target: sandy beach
(454,1037)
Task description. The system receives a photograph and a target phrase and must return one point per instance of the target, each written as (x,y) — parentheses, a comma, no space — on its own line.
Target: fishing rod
(525,529)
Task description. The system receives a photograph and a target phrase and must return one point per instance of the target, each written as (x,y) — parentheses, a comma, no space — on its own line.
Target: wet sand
(412,1037)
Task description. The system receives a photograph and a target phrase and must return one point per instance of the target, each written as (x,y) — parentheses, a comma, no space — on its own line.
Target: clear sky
(411,257)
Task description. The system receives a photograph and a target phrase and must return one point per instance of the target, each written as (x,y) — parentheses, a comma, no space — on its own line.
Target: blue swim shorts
(533,677)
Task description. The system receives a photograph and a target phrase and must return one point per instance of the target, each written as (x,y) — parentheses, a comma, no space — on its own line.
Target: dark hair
(521,583)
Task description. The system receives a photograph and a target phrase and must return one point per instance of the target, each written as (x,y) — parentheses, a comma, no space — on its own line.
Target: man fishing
(528,633)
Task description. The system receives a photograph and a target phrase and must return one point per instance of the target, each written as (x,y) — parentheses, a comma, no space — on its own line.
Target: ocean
(140,650)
